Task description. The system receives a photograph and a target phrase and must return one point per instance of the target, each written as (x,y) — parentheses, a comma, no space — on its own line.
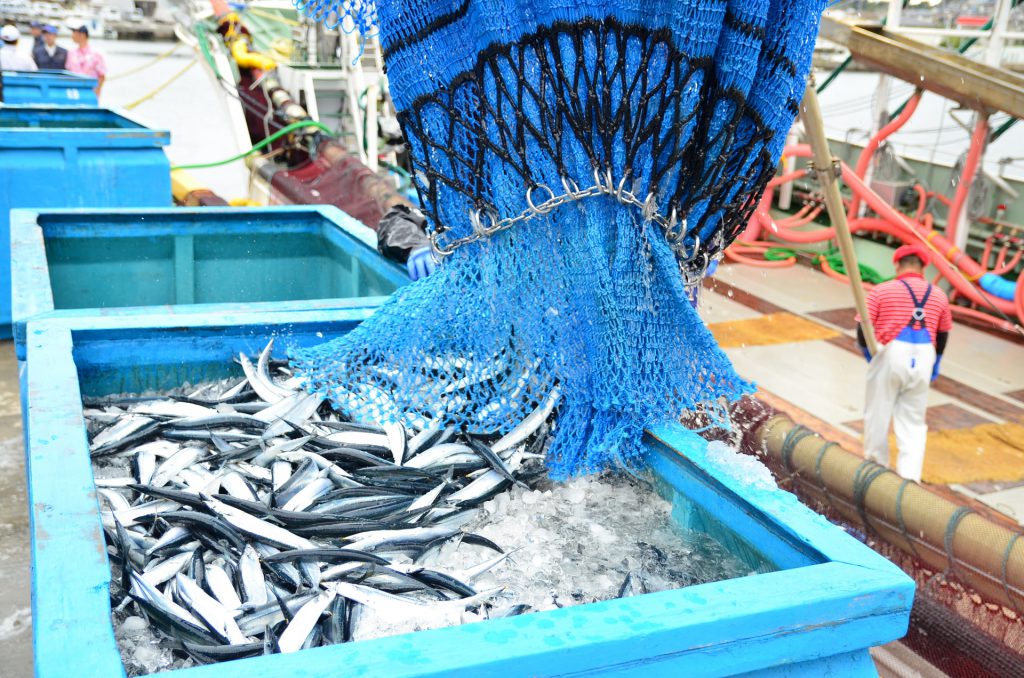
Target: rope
(161,87)
(833,256)
(902,522)
(1006,583)
(262,144)
(156,59)
(954,522)
(789,443)
(866,474)
(821,479)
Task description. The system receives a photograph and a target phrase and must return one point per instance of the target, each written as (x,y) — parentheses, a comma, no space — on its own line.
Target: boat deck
(800,350)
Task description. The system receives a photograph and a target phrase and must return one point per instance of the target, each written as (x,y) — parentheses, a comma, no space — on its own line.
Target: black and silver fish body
(220,586)
(304,621)
(144,466)
(480,490)
(212,654)
(173,465)
(237,486)
(157,572)
(265,389)
(271,613)
(326,555)
(284,571)
(203,526)
(216,617)
(172,538)
(335,626)
(495,462)
(304,474)
(250,575)
(305,497)
(437,455)
(444,581)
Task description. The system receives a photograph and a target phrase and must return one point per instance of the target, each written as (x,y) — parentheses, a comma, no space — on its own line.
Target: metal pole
(996,41)
(824,167)
(892,19)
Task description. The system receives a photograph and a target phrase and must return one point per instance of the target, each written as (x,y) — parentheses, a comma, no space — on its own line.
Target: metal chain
(673,228)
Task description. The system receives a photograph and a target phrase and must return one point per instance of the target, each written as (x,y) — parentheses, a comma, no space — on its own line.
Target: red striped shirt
(890,307)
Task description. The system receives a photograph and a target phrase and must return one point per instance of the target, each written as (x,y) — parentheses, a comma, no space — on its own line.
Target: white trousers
(897,389)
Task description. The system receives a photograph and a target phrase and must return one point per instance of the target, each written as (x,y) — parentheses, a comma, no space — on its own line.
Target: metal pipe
(825,167)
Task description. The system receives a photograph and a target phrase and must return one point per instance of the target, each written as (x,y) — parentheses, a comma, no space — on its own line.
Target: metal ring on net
(529,199)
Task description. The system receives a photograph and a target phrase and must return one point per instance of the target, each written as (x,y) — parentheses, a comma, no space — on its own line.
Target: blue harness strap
(916,331)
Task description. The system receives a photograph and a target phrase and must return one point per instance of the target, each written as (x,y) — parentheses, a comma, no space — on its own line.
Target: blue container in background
(819,600)
(57,88)
(74,157)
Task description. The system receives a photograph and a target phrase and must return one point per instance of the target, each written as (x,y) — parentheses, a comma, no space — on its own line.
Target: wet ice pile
(572,543)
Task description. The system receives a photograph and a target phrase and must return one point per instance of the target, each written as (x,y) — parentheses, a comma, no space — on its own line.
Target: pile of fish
(251,518)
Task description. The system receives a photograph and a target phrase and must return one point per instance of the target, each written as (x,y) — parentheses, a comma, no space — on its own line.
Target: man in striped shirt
(912,320)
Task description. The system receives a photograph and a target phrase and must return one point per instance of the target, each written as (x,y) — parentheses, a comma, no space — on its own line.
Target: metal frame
(832,599)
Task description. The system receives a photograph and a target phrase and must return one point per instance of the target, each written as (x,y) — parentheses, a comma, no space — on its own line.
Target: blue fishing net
(580,164)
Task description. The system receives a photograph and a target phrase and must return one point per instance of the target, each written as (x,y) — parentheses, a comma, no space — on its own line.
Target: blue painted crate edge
(29,270)
(863,606)
(125,131)
(62,88)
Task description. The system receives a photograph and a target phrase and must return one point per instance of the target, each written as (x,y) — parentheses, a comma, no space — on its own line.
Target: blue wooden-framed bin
(141,261)
(824,600)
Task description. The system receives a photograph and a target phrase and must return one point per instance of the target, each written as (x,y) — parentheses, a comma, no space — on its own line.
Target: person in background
(49,55)
(10,58)
(85,60)
(36,29)
(912,320)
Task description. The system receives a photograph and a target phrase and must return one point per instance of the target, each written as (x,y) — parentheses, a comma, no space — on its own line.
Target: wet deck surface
(975,409)
(15,612)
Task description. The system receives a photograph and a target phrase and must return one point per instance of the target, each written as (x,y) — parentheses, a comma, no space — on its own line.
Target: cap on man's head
(911,251)
(36,24)
(83,29)
(50,29)
(10,34)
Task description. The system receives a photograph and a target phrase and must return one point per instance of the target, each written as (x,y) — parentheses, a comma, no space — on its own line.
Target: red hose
(864,161)
(1003,270)
(736,253)
(964,312)
(922,201)
(967,177)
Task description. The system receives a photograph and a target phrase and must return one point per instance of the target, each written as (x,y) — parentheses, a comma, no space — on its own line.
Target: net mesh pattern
(579,164)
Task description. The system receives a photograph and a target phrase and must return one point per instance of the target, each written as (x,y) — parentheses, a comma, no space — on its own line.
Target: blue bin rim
(841,598)
(29,268)
(42,73)
(137,129)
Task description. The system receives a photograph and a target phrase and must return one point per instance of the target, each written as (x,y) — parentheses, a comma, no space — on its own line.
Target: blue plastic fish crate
(62,156)
(826,599)
(81,263)
(57,88)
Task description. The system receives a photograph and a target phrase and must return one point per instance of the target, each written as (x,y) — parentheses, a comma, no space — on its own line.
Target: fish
(251,517)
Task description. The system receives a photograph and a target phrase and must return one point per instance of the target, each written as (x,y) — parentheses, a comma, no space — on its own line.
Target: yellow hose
(246,59)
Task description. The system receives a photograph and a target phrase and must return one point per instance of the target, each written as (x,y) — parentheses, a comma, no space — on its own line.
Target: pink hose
(864,161)
(967,177)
